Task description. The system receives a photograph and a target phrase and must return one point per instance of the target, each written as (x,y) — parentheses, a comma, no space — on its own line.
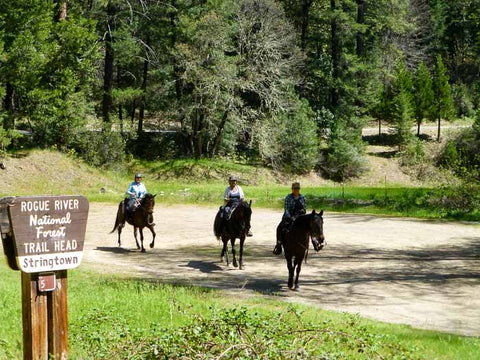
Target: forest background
(289,84)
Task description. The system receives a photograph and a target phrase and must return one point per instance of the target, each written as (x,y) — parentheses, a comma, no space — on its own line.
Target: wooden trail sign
(48,232)
(43,236)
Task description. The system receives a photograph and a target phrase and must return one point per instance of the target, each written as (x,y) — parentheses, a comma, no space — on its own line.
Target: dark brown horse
(142,217)
(235,226)
(296,242)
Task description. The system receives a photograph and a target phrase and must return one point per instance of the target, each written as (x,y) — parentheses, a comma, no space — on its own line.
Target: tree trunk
(360,20)
(335,49)
(178,81)
(418,128)
(132,114)
(9,106)
(306,4)
(379,127)
(109,66)
(218,135)
(197,135)
(120,107)
(438,132)
(144,87)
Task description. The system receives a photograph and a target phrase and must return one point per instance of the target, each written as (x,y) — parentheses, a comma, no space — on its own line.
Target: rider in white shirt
(232,195)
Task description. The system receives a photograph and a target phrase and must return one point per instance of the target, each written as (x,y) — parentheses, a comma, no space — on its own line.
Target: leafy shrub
(344,158)
(100,148)
(237,333)
(462,154)
(462,101)
(412,154)
(289,141)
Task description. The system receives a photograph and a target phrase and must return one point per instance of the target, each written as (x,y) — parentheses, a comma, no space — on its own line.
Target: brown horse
(235,226)
(296,242)
(141,217)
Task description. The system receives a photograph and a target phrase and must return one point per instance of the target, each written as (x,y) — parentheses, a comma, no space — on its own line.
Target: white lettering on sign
(45,262)
(65,245)
(68,204)
(48,220)
(35,205)
(56,233)
(35,248)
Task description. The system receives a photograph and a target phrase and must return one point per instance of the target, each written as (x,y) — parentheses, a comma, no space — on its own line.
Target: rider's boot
(278,247)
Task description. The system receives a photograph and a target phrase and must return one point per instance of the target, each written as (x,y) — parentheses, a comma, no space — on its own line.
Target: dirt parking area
(422,273)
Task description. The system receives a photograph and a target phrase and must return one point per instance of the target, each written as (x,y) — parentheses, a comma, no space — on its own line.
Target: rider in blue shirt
(135,192)
(295,205)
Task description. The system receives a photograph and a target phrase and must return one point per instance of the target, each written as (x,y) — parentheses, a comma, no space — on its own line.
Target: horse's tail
(118,219)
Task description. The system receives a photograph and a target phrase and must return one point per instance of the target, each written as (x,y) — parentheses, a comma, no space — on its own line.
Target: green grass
(203,182)
(114,317)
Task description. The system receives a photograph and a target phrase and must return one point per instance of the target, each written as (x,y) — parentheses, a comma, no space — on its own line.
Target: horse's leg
(141,239)
(225,250)
(288,257)
(152,244)
(242,241)
(298,264)
(119,230)
(232,241)
(135,235)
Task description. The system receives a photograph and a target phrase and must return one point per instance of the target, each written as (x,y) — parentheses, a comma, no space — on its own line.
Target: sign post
(44,237)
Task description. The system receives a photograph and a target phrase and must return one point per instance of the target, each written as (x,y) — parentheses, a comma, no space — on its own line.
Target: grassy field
(203,182)
(121,318)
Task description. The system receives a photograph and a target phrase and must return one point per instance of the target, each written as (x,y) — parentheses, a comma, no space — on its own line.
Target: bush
(462,154)
(100,148)
(462,101)
(344,158)
(289,142)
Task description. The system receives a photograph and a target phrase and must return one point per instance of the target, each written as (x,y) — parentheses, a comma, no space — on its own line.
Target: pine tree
(403,106)
(424,95)
(443,96)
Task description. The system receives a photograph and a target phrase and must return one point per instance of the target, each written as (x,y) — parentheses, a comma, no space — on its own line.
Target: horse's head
(148,202)
(316,230)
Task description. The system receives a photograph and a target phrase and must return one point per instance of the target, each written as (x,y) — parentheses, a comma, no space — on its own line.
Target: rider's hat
(296,185)
(232,178)
(138,175)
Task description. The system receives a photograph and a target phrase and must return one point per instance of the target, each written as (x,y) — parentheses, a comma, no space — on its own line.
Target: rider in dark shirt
(295,205)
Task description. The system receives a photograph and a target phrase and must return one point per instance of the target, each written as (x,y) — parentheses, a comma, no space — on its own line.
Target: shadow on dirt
(423,271)
(114,250)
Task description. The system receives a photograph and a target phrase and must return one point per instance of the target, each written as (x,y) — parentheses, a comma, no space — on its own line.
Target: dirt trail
(422,273)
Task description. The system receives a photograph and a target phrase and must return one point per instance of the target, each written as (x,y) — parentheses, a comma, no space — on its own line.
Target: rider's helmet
(232,178)
(138,176)
(296,185)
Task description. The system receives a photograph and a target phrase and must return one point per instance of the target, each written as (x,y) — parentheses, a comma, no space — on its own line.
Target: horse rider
(135,192)
(232,197)
(295,205)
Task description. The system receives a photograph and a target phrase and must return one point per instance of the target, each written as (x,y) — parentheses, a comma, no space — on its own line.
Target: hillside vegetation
(44,172)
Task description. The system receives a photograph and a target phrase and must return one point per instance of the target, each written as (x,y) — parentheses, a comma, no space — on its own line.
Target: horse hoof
(143,250)
(151,246)
(235,264)
(296,288)
(241,267)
